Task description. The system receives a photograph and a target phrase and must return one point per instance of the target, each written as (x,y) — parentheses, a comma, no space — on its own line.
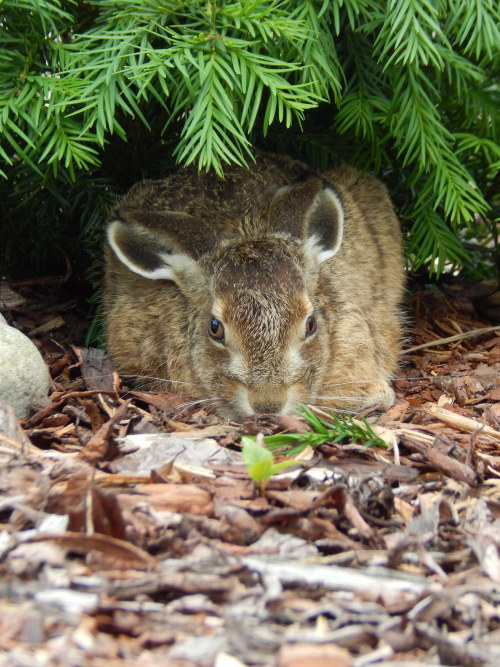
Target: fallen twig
(452,339)
(463,423)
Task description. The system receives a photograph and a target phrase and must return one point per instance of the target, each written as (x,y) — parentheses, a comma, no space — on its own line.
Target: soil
(132,534)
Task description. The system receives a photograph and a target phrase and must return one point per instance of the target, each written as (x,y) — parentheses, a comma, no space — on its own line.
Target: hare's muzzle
(268,399)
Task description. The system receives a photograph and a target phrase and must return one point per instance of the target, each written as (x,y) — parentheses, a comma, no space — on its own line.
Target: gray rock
(24,378)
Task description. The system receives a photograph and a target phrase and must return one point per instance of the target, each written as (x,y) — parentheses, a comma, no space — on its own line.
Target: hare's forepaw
(359,397)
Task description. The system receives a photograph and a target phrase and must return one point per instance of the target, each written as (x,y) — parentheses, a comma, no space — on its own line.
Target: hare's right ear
(312,211)
(158,244)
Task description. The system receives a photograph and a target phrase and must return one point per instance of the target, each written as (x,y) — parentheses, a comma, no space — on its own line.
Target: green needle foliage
(336,429)
(406,88)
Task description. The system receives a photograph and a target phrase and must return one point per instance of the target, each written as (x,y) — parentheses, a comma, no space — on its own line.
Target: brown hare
(272,287)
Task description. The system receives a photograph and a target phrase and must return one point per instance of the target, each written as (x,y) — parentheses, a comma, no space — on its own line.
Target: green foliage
(335,429)
(341,427)
(260,462)
(407,88)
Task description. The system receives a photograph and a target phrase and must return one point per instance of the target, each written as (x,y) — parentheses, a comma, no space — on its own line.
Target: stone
(24,378)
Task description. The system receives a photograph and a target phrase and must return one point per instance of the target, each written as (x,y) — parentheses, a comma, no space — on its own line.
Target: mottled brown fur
(236,249)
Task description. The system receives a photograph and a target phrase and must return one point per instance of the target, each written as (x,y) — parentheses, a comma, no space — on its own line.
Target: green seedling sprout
(260,462)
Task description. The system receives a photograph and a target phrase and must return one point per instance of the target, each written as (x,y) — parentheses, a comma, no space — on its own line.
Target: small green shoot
(260,462)
(339,428)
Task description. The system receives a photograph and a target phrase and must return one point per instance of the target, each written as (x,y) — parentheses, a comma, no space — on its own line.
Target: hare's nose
(267,400)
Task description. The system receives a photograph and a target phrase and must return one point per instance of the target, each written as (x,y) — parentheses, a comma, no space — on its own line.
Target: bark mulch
(131,533)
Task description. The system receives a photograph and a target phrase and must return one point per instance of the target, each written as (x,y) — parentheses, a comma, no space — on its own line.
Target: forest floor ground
(131,533)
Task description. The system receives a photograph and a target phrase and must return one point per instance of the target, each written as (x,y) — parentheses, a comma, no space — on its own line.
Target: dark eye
(310,325)
(216,329)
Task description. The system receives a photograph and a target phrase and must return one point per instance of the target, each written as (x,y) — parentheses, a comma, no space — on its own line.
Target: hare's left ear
(159,245)
(311,211)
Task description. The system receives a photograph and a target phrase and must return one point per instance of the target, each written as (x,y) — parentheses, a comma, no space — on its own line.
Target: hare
(271,287)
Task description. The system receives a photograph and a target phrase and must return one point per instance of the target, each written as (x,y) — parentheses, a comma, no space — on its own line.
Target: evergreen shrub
(95,95)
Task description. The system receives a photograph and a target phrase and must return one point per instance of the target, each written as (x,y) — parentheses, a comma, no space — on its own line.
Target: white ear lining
(163,273)
(313,243)
(313,247)
(340,219)
(327,254)
(332,195)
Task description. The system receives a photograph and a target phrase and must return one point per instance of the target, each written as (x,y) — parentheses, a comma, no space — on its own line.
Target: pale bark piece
(314,655)
(8,298)
(97,368)
(377,582)
(12,435)
(464,423)
(150,451)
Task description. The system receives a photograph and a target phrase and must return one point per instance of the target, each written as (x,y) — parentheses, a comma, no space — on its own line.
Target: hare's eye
(216,329)
(310,325)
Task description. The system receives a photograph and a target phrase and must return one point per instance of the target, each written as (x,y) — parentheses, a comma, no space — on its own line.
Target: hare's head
(255,322)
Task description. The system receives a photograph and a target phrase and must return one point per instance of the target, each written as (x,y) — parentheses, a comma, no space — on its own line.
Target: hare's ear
(158,244)
(312,211)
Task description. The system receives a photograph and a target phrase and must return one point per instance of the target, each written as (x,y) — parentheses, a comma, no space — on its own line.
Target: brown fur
(240,253)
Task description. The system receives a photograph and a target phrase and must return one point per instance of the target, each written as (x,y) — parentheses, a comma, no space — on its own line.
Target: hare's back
(372,244)
(365,197)
(242,193)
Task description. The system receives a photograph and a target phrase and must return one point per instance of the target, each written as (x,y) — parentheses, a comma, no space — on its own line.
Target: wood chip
(51,325)
(464,423)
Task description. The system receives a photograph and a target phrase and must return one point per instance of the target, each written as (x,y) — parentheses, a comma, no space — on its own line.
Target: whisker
(209,403)
(351,382)
(338,398)
(196,402)
(154,378)
(335,408)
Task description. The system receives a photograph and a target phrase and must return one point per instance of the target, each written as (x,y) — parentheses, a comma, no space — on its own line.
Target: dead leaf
(97,446)
(110,546)
(171,497)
